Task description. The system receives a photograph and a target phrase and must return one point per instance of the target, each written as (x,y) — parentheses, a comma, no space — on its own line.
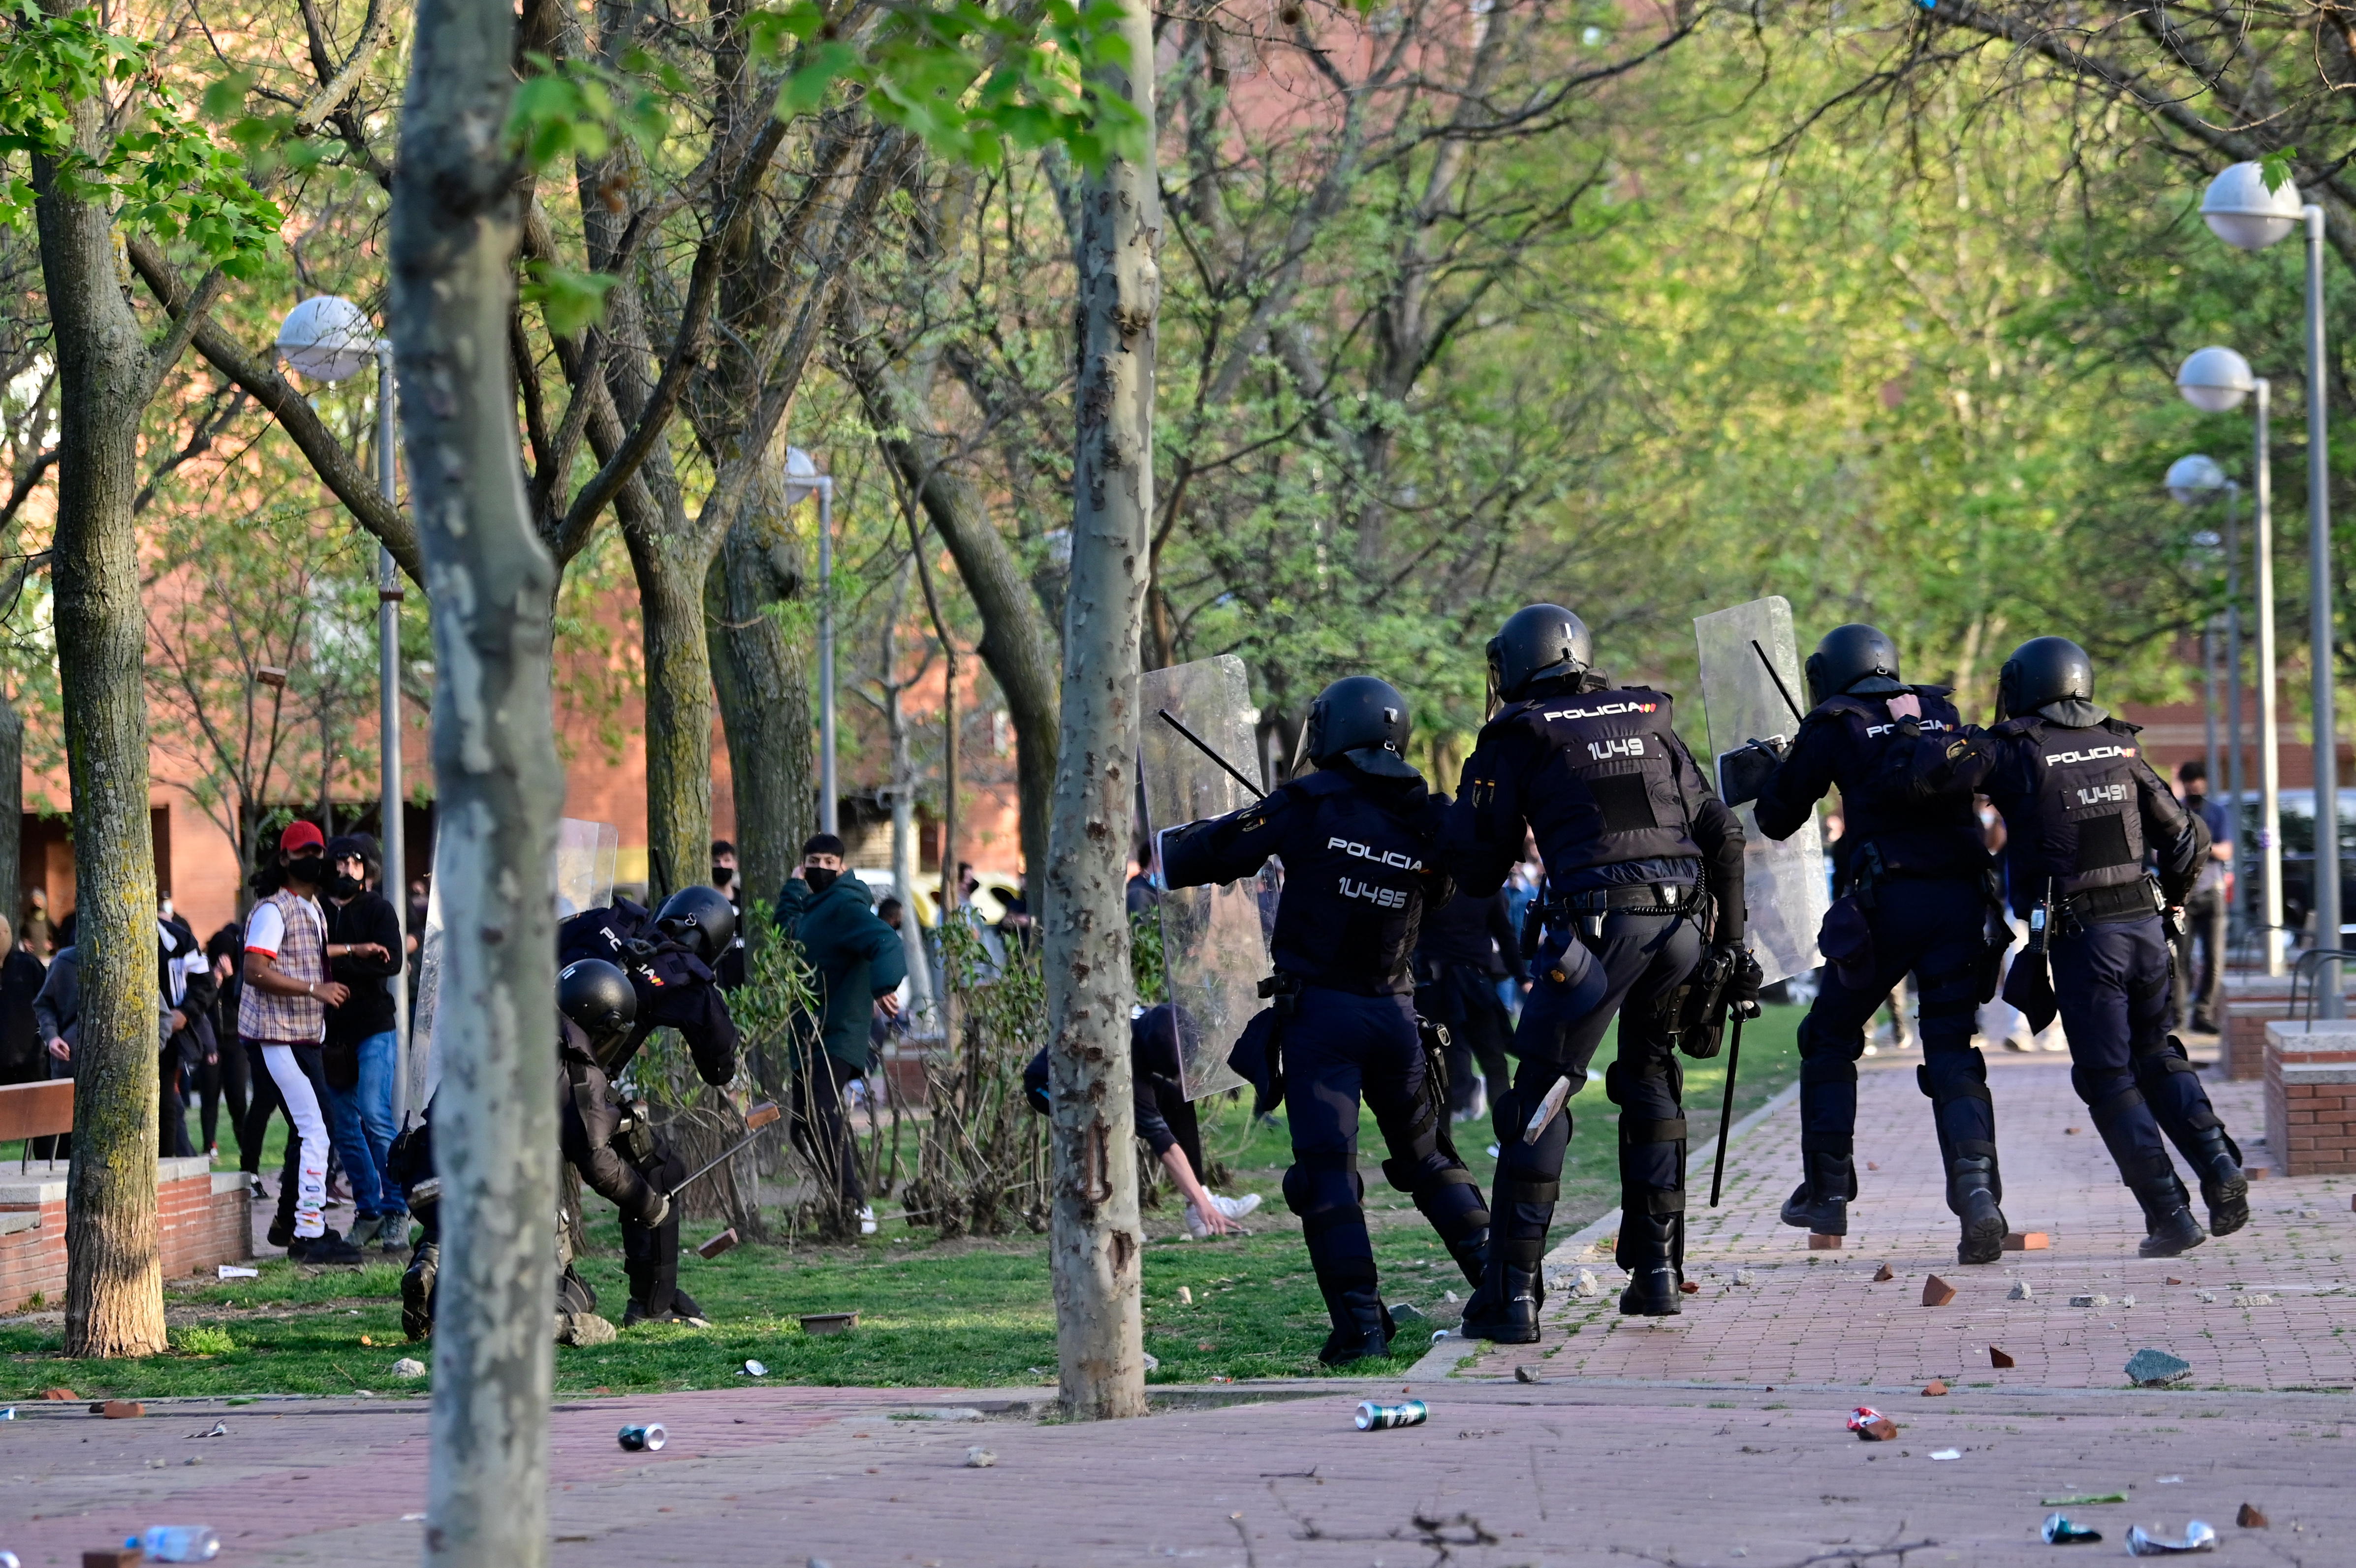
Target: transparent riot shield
(1212,949)
(585,853)
(1751,689)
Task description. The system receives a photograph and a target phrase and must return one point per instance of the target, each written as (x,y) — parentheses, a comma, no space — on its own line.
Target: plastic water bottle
(178,1544)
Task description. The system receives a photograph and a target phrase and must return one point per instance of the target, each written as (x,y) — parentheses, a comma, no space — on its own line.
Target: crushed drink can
(2060,1530)
(644,1437)
(1373,1417)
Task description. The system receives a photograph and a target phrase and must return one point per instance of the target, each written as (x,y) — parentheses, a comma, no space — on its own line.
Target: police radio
(2040,921)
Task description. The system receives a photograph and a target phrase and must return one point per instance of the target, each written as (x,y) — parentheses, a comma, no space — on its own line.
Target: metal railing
(2310,966)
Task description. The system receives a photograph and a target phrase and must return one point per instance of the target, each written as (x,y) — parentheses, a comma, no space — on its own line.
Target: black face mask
(819,878)
(310,869)
(722,876)
(342,886)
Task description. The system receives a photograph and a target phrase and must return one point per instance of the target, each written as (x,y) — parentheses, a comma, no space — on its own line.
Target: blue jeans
(362,1117)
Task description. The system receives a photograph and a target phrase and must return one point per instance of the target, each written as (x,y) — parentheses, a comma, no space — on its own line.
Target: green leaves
(2275,168)
(568,300)
(970,82)
(580,109)
(163,173)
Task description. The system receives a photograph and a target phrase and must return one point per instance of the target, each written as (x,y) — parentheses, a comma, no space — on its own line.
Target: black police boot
(2223,1185)
(1472,1254)
(1505,1307)
(2167,1215)
(417,1290)
(1820,1203)
(1362,1324)
(1648,1250)
(1971,1193)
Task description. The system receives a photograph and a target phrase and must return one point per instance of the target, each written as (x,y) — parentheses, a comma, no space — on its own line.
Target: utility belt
(1584,911)
(2069,914)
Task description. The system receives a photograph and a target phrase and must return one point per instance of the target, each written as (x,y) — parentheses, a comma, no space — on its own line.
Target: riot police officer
(2081,811)
(604,1139)
(1357,836)
(669,958)
(1642,918)
(1914,894)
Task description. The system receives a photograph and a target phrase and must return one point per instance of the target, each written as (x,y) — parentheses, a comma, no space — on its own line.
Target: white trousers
(311,1127)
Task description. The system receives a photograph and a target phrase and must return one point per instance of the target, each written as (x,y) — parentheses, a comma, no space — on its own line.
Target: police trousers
(1338,1048)
(2110,983)
(1935,931)
(1626,972)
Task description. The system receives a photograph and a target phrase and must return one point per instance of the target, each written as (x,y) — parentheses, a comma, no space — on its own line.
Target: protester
(56,1015)
(730,967)
(362,1052)
(185,1036)
(231,1078)
(36,933)
(22,1058)
(859,963)
(2198,975)
(283,1011)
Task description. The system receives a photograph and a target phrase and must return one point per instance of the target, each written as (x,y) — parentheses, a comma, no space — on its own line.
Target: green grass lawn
(971,1313)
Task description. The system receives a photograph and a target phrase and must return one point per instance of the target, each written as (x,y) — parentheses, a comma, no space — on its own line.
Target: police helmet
(596,996)
(1854,658)
(1360,720)
(700,920)
(2043,670)
(1537,642)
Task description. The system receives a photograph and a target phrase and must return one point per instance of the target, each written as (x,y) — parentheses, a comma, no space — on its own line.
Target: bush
(202,1339)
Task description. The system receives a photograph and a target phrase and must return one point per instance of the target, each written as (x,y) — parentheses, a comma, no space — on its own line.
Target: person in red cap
(283,1010)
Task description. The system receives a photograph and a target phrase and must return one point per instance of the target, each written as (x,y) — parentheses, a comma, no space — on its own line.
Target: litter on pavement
(2060,1532)
(2197,1537)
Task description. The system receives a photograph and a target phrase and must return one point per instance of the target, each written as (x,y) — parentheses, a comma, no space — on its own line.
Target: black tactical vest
(1607,790)
(2087,831)
(1355,863)
(1938,837)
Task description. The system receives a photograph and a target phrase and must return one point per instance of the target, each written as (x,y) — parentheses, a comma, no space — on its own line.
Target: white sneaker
(1195,1224)
(867,1221)
(1237,1207)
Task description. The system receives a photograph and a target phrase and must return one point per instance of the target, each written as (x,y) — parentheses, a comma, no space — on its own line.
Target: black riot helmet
(1537,642)
(1362,721)
(1857,659)
(2041,671)
(599,997)
(700,920)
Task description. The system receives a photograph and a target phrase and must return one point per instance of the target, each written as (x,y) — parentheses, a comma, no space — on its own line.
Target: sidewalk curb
(1441,1361)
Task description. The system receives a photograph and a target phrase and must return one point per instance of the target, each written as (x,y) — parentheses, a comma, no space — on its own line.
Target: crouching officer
(1643,918)
(667,957)
(603,1138)
(1357,836)
(1915,894)
(2082,809)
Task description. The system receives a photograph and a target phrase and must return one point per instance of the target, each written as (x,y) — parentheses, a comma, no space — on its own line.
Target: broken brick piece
(1934,1388)
(1882,1430)
(2250,1518)
(2028,1241)
(1937,1292)
(2069,1132)
(2257,1173)
(1998,1360)
(122,1410)
(1690,1288)
(2174,1281)
(1872,1166)
(1820,1243)
(113,1557)
(60,1394)
(1883,1275)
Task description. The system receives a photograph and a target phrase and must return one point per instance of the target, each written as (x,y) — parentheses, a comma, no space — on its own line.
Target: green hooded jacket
(856,956)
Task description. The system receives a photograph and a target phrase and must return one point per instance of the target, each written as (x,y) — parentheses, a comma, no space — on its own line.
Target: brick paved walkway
(1715,1438)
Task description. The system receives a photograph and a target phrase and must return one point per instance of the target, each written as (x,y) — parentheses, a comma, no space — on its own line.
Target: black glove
(1743,977)
(1743,772)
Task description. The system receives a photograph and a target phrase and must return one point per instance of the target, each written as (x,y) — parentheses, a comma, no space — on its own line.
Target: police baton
(1725,1108)
(760,1116)
(1204,748)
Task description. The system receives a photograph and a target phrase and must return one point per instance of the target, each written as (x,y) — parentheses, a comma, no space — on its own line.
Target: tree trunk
(457,221)
(678,716)
(1014,644)
(763,679)
(1099,1345)
(114,1281)
(12,819)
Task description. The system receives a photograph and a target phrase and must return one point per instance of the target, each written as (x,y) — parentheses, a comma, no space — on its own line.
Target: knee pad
(2154,1075)
(1946,1075)
(1824,1068)
(1449,1198)
(1319,1184)
(2108,1095)
(1949,996)
(1622,1081)
(1818,1040)
(2148,999)
(1413,1142)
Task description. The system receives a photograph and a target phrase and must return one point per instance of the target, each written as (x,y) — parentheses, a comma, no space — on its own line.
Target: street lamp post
(2244,212)
(802,481)
(328,338)
(2215,380)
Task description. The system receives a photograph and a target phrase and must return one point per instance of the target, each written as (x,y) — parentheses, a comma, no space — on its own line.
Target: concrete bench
(2311,1096)
(2250,1003)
